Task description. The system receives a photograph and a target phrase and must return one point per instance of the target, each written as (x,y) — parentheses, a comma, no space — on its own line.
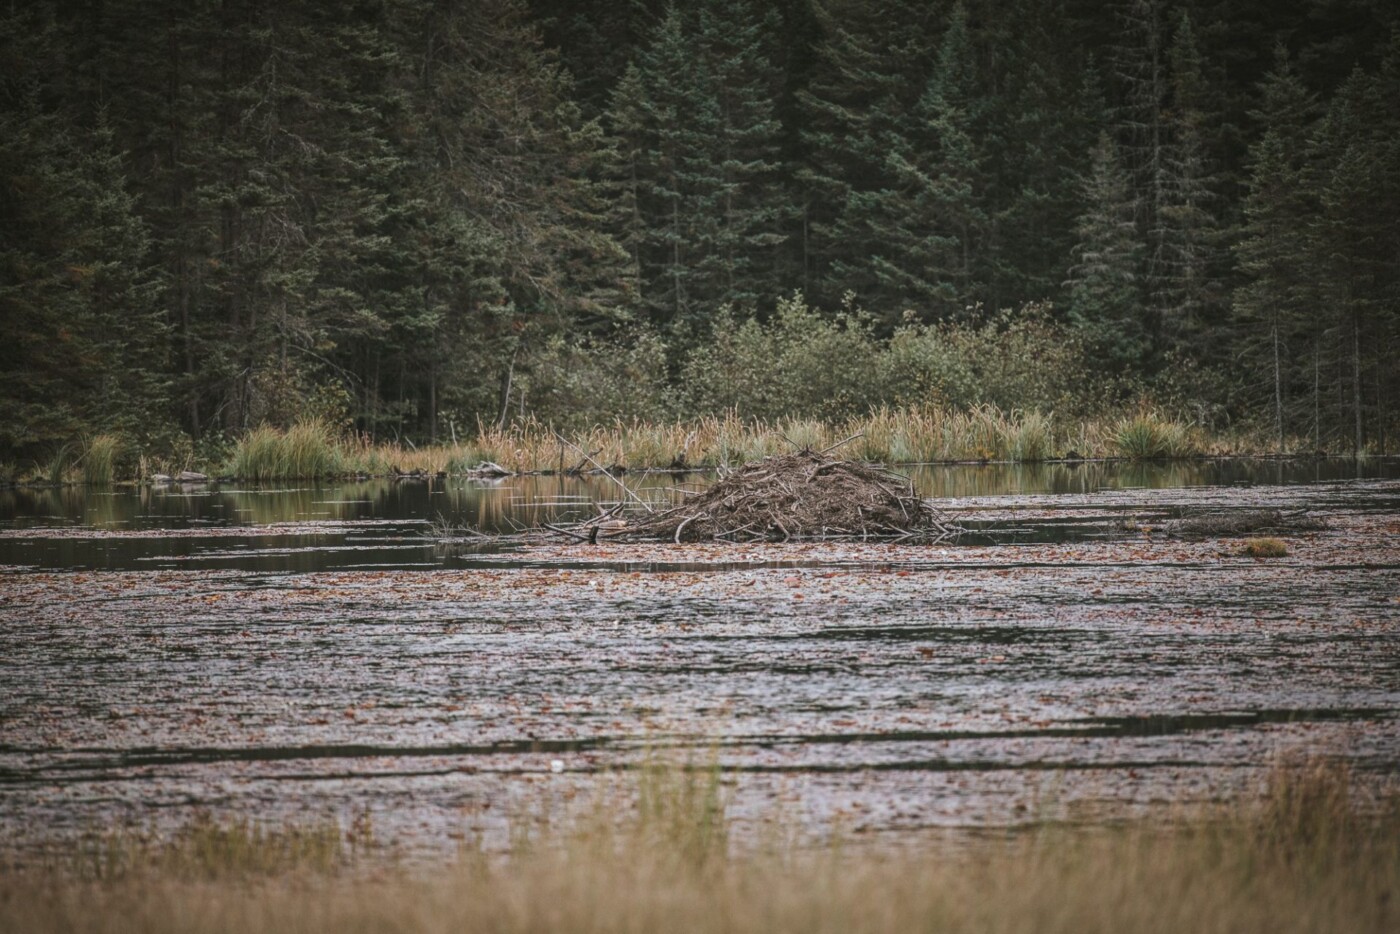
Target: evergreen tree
(1183,237)
(1104,295)
(1038,130)
(85,339)
(734,37)
(1351,241)
(856,112)
(700,146)
(1272,306)
(935,216)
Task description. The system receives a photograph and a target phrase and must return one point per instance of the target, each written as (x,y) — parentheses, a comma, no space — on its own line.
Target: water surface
(305,650)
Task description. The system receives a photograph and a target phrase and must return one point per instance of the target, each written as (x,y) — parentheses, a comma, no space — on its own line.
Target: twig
(589,458)
(859,434)
(571,533)
(681,528)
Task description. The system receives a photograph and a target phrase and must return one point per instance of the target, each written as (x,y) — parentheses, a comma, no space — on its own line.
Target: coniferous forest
(415,217)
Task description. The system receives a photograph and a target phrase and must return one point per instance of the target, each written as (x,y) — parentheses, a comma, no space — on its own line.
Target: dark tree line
(220,214)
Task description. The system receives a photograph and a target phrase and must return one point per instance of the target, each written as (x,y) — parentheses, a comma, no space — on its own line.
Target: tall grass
(1149,435)
(306,450)
(99,459)
(209,849)
(1312,855)
(906,435)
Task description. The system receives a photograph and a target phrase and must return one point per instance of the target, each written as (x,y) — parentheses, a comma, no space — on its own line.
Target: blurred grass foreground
(1313,853)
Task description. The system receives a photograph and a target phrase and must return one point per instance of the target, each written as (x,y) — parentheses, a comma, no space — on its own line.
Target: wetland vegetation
(1314,853)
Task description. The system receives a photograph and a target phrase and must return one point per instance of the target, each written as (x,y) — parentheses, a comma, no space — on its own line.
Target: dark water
(382,524)
(306,650)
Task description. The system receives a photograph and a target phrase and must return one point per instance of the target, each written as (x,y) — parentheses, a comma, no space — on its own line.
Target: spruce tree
(1104,294)
(1272,306)
(1184,235)
(935,215)
(856,112)
(85,337)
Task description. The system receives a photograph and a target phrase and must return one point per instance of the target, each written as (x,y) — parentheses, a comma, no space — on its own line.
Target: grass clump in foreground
(1314,855)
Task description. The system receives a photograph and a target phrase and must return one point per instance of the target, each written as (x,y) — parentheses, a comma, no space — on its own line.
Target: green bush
(1012,360)
(576,385)
(800,364)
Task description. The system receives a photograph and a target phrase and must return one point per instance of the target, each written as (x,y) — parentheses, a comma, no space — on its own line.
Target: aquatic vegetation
(1149,435)
(1264,548)
(99,459)
(307,449)
(205,848)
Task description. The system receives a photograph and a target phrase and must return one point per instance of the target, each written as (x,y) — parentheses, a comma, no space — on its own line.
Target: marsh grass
(306,450)
(1149,435)
(99,459)
(209,849)
(1312,853)
(1264,548)
(905,435)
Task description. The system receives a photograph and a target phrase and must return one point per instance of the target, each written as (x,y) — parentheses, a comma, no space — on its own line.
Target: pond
(306,650)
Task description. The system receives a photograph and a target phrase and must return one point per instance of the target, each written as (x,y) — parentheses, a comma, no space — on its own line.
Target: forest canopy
(411,217)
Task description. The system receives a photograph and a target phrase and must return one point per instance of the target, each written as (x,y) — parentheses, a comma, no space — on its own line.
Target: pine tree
(1184,235)
(1272,306)
(733,37)
(1104,294)
(936,215)
(702,208)
(856,112)
(1351,241)
(1039,128)
(85,337)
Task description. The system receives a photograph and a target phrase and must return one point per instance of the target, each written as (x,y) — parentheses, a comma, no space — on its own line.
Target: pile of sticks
(801,496)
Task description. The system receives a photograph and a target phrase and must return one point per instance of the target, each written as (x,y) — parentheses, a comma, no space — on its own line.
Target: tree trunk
(1356,383)
(1278,391)
(506,389)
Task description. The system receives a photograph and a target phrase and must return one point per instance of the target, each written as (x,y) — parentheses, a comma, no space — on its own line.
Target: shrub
(1012,360)
(576,385)
(799,365)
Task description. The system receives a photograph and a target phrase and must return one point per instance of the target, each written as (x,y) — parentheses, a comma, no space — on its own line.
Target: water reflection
(497,505)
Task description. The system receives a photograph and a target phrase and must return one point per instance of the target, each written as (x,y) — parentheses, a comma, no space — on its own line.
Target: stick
(795,445)
(589,458)
(572,534)
(681,528)
(859,434)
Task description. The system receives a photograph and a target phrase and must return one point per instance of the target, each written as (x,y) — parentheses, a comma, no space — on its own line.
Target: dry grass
(1264,548)
(1314,855)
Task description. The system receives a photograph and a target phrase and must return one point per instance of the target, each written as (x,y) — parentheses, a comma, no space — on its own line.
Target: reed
(905,435)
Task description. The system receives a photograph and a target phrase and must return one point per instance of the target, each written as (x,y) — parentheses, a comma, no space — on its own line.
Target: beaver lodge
(787,497)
